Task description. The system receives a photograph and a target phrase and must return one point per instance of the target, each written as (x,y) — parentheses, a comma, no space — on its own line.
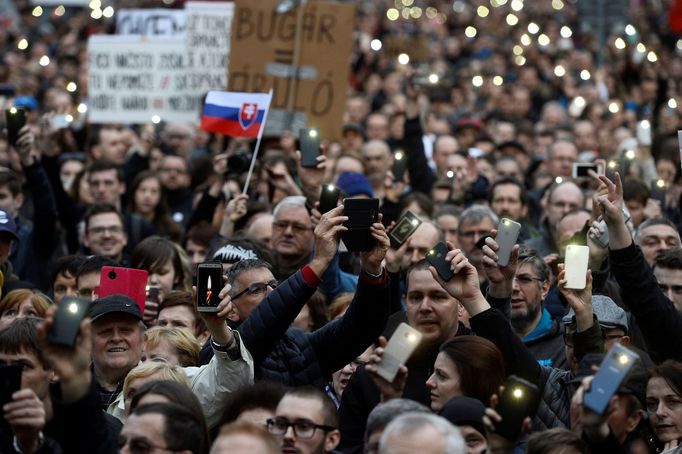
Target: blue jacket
(294,357)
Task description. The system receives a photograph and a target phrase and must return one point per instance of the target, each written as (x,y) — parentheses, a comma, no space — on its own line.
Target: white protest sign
(151,22)
(81,3)
(132,78)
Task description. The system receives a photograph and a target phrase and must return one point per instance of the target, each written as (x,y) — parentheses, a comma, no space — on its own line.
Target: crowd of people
(460,112)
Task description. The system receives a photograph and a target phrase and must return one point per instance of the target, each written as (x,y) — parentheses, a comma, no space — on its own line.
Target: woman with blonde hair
(147,372)
(174,345)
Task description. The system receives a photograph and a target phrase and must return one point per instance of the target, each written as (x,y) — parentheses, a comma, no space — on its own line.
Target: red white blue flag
(235,114)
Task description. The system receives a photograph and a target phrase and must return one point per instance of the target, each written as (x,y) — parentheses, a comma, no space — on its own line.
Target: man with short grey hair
(421,432)
(292,235)
(475,223)
(383,414)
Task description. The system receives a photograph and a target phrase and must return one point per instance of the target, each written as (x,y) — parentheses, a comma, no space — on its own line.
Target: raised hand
(327,233)
(311,177)
(389,390)
(610,199)
(371,260)
(26,415)
(500,277)
(580,300)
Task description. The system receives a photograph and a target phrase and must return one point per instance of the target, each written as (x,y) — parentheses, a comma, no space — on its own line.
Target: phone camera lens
(112,274)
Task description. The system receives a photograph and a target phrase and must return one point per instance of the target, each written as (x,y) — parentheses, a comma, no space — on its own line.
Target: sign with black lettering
(133,78)
(151,22)
(309,82)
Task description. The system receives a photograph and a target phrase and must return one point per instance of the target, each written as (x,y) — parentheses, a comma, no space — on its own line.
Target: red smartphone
(115,280)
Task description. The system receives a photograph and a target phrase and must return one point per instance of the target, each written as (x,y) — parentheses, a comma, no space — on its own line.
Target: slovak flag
(235,114)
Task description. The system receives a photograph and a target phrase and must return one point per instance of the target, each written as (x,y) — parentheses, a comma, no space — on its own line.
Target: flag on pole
(235,114)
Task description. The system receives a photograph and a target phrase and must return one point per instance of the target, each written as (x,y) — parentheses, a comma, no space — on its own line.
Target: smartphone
(209,284)
(329,198)
(611,374)
(679,144)
(575,265)
(436,257)
(67,321)
(406,226)
(644,133)
(581,169)
(309,141)
(603,239)
(10,382)
(60,122)
(399,165)
(15,119)
(400,347)
(116,280)
(362,213)
(507,234)
(519,401)
(658,191)
(153,293)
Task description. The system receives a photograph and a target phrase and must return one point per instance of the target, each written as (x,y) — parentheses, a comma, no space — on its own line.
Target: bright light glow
(312,133)
(82,108)
(512,19)
(330,187)
(559,71)
(13,110)
(652,57)
(630,154)
(96,14)
(73,308)
(533,28)
(672,103)
(403,59)
(558,180)
(543,40)
(392,14)
(71,87)
(679,44)
(518,393)
(579,101)
(623,359)
(415,221)
(614,107)
(477,81)
(450,174)
(470,31)
(95,4)
(68,118)
(566,32)
(498,80)
(59,11)
(375,45)
(431,12)
(37,11)
(408,2)
(641,48)
(520,60)
(405,13)
(525,40)
(108,12)
(433,78)
(585,74)
(517,5)
(517,50)
(398,155)
(22,44)
(630,29)
(612,164)
(645,124)
(482,11)
(660,183)
(416,12)
(44,60)
(619,43)
(557,5)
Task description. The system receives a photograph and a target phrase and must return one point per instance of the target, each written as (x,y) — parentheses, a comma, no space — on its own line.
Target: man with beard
(530,320)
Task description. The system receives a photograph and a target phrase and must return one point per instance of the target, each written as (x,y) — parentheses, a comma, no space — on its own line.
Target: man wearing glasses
(104,232)
(305,422)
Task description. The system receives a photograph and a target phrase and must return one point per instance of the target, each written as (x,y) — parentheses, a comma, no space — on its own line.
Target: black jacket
(294,357)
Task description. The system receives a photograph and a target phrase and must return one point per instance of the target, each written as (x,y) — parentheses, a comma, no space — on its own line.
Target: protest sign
(80,3)
(132,78)
(263,53)
(151,22)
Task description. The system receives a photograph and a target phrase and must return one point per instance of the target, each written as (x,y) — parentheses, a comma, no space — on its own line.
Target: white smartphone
(644,133)
(575,264)
(400,346)
(507,234)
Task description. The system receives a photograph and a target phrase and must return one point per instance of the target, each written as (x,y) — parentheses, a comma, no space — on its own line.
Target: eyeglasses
(139,445)
(295,226)
(255,289)
(302,429)
(526,280)
(103,229)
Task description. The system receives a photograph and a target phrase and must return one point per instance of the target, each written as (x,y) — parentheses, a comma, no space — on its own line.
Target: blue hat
(7,224)
(29,102)
(353,184)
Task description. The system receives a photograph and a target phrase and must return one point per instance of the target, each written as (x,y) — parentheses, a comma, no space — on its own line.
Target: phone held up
(436,257)
(209,284)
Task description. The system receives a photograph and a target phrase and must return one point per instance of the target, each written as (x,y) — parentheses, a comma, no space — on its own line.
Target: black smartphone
(10,382)
(153,293)
(362,213)
(406,226)
(309,141)
(611,374)
(67,321)
(658,188)
(209,284)
(329,198)
(519,400)
(436,257)
(15,119)
(399,165)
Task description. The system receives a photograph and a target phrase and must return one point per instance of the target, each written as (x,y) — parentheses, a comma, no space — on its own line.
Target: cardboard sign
(151,22)
(263,56)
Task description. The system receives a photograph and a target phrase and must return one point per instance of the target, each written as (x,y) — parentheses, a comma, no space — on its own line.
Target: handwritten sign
(151,22)
(310,85)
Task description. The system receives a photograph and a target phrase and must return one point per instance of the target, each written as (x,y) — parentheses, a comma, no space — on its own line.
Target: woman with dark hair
(664,404)
(148,199)
(166,262)
(466,366)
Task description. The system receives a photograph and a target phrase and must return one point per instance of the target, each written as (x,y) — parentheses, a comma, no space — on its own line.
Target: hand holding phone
(209,284)
(575,266)
(519,401)
(404,228)
(612,372)
(507,235)
(116,280)
(399,166)
(151,304)
(67,321)
(329,198)
(436,257)
(400,347)
(309,141)
(15,119)
(361,213)
(10,382)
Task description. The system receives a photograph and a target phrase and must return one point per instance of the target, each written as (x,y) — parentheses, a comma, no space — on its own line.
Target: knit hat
(352,184)
(465,411)
(609,314)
